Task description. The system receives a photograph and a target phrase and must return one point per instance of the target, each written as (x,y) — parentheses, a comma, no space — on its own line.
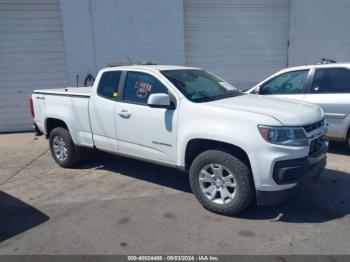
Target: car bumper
(295,171)
(36,129)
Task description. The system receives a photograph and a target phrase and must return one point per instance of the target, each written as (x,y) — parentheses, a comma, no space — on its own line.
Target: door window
(288,83)
(139,86)
(109,83)
(331,80)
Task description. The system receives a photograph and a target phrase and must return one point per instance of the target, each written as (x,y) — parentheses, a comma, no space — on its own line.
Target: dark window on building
(139,86)
(109,83)
(288,83)
(331,80)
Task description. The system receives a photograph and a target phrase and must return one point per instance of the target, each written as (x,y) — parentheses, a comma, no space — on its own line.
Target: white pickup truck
(237,147)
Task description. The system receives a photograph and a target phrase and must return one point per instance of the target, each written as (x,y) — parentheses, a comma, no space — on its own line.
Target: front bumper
(293,171)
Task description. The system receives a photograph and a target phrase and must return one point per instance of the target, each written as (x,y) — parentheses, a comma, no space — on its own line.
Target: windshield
(199,85)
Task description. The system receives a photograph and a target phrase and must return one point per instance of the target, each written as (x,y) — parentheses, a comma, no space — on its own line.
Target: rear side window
(109,83)
(287,83)
(139,86)
(331,80)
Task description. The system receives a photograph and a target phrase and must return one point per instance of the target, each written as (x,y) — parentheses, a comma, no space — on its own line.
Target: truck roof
(150,67)
(86,91)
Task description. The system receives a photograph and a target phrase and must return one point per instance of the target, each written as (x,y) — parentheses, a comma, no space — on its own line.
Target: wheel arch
(347,137)
(347,133)
(346,130)
(51,123)
(198,145)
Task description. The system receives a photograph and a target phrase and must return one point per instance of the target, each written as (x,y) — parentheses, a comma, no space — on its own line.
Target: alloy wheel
(60,148)
(217,183)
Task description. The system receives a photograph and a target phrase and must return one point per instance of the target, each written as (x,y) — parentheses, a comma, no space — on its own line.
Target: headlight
(289,136)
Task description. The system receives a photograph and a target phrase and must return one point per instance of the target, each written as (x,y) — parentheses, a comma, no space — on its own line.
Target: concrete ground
(115,205)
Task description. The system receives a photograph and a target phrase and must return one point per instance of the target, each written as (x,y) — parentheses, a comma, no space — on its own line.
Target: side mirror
(159,100)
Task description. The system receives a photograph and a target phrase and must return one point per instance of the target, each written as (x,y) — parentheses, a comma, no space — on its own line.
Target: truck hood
(288,112)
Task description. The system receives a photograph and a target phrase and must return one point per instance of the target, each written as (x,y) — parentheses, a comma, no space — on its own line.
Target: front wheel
(62,148)
(221,182)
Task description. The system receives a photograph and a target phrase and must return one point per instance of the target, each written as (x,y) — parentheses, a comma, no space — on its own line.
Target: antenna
(129,59)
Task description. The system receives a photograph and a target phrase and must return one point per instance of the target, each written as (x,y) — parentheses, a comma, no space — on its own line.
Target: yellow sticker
(115,94)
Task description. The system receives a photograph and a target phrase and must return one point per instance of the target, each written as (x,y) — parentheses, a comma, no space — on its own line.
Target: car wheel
(62,148)
(221,182)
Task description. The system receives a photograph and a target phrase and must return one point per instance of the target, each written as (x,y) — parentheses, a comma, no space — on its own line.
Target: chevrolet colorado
(236,147)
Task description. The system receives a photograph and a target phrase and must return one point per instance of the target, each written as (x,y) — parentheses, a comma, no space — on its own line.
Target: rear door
(290,85)
(144,131)
(330,89)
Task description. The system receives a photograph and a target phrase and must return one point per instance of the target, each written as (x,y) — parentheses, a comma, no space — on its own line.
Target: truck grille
(312,127)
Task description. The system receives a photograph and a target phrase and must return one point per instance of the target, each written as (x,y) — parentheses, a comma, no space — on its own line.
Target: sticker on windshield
(143,89)
(227,86)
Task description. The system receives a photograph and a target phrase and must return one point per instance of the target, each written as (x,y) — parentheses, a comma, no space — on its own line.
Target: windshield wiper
(234,93)
(231,93)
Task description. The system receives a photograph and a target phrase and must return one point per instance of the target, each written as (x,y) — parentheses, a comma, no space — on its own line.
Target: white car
(237,147)
(326,85)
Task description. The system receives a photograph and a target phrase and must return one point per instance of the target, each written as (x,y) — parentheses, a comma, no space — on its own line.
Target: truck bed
(69,91)
(70,104)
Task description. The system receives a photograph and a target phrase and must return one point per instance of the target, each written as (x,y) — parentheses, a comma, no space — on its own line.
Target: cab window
(331,80)
(287,83)
(139,86)
(108,85)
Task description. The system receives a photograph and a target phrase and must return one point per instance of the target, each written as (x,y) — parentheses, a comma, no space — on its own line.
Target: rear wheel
(62,148)
(221,182)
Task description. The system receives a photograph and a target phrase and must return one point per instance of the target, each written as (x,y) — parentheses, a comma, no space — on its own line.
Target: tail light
(31,108)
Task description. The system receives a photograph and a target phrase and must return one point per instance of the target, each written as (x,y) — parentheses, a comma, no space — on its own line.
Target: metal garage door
(241,40)
(31,56)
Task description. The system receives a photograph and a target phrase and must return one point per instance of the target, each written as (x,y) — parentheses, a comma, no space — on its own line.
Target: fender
(77,121)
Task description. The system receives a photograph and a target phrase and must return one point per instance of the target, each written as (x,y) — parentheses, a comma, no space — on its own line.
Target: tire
(62,148)
(241,195)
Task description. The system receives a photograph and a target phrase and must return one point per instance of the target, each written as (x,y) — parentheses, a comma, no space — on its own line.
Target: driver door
(144,131)
(287,85)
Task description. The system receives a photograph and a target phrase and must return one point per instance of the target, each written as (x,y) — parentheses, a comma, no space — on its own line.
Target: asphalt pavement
(116,205)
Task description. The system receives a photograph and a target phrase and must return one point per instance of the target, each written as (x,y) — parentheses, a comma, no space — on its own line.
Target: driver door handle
(124,113)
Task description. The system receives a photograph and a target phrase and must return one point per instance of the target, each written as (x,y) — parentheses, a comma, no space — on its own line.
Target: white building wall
(319,28)
(97,33)
(102,32)
(78,39)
